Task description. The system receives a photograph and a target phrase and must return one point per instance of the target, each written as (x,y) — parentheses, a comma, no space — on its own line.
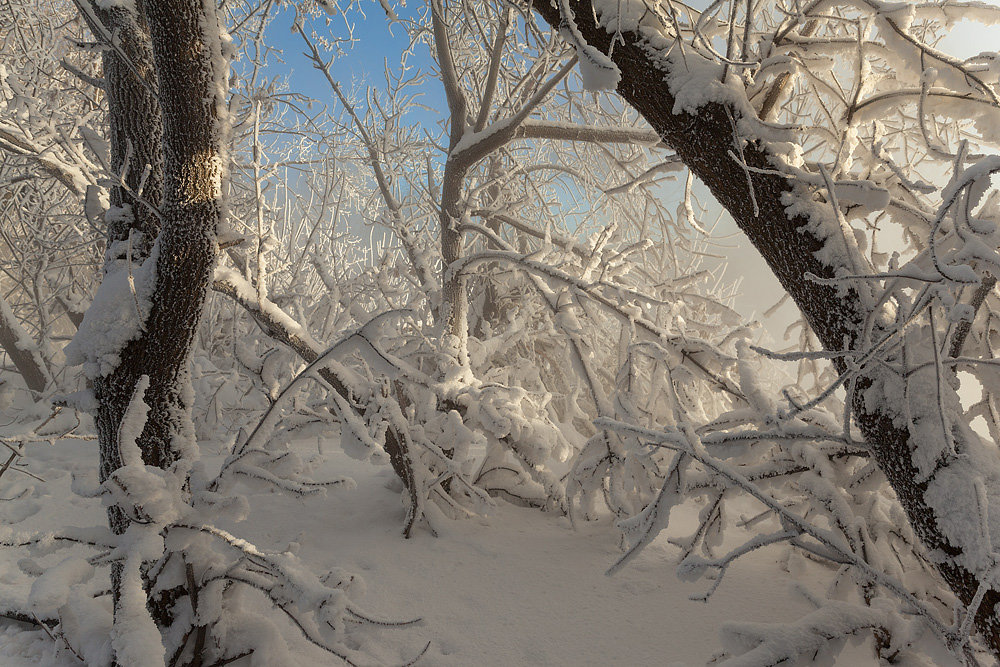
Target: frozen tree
(528,319)
(178,581)
(816,126)
(507,170)
(144,316)
(51,149)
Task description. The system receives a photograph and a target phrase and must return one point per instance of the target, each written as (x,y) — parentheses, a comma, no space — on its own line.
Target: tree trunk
(454,299)
(175,124)
(135,128)
(188,193)
(18,345)
(454,296)
(136,133)
(704,140)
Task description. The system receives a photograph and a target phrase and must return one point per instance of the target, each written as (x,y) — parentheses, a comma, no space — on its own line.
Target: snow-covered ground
(520,587)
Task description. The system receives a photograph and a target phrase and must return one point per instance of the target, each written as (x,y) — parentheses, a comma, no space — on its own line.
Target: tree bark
(190,207)
(136,133)
(18,345)
(704,140)
(454,298)
(174,123)
(135,126)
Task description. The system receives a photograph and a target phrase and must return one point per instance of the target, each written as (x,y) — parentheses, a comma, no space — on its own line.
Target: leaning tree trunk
(703,139)
(20,349)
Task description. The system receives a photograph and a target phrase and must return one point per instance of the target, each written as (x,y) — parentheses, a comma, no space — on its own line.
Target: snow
(133,423)
(518,587)
(246,292)
(766,644)
(597,69)
(115,317)
(23,340)
(699,84)
(863,193)
(135,637)
(51,590)
(598,73)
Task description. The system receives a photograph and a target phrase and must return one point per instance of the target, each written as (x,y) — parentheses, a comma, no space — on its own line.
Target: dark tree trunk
(135,128)
(170,123)
(136,132)
(164,101)
(29,365)
(703,140)
(188,58)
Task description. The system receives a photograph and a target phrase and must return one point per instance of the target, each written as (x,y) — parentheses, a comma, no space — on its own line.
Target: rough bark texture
(170,123)
(136,132)
(703,141)
(135,127)
(189,197)
(185,58)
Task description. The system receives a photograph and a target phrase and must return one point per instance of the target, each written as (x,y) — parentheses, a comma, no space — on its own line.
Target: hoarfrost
(115,317)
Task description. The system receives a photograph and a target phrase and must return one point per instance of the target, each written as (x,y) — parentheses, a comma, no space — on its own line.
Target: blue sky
(363,64)
(378,41)
(375,42)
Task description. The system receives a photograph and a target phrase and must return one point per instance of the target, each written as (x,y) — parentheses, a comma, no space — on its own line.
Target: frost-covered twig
(696,450)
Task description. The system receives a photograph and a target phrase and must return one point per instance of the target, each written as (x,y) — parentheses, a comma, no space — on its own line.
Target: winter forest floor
(520,587)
